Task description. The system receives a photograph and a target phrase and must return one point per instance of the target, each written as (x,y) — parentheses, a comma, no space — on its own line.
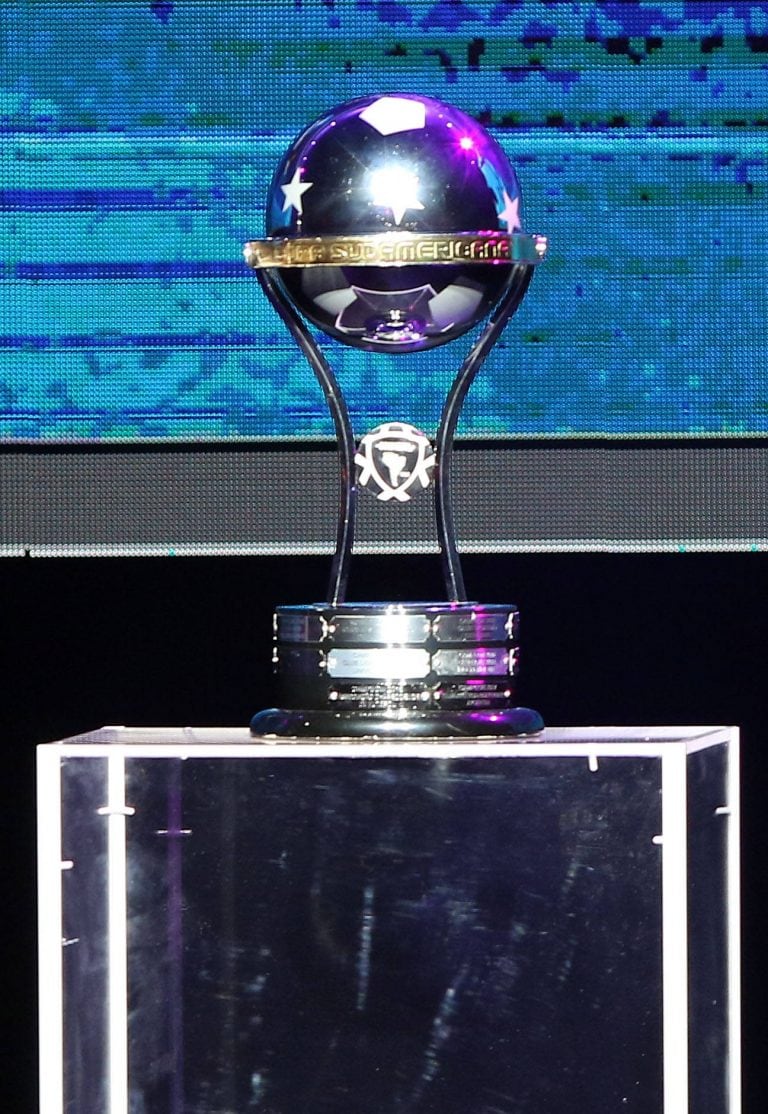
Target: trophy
(394,226)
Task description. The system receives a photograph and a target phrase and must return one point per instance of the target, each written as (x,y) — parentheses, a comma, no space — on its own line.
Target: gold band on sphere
(396,249)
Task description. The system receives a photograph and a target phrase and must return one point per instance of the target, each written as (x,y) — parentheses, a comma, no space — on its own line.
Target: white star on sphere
(293,191)
(510,214)
(389,115)
(397,189)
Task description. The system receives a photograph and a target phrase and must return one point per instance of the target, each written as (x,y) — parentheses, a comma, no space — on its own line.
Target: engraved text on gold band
(396,249)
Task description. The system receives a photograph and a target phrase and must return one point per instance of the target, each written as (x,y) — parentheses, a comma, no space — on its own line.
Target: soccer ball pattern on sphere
(388,164)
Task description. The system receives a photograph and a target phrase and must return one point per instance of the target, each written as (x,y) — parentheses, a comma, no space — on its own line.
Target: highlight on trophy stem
(393,225)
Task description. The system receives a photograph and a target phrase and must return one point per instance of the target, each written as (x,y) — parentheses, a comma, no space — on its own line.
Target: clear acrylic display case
(547,925)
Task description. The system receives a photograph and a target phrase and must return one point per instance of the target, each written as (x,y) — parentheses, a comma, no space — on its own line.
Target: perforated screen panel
(139,141)
(246,499)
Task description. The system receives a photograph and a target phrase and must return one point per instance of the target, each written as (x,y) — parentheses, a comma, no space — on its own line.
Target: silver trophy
(394,226)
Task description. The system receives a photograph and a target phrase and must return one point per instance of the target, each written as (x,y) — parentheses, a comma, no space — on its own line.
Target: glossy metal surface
(395,249)
(384,663)
(323,724)
(424,668)
(393,224)
(382,623)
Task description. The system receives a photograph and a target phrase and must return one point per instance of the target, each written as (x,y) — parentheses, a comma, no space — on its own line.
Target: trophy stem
(446,527)
(345,526)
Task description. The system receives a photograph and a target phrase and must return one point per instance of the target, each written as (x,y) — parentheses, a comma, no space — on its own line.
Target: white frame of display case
(672,745)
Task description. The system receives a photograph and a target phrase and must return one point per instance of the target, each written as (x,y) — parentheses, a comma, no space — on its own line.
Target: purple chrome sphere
(388,164)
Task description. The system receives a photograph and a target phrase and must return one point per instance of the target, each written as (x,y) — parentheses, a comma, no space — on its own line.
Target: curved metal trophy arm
(345,529)
(446,529)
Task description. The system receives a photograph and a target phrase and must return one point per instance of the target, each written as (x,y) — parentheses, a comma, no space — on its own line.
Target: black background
(619,639)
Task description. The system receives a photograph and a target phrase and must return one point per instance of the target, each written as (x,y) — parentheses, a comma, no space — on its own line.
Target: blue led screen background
(139,139)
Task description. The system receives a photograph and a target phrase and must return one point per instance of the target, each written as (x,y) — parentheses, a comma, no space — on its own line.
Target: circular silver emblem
(395,461)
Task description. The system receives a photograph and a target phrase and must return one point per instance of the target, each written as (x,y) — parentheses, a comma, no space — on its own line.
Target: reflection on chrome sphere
(398,163)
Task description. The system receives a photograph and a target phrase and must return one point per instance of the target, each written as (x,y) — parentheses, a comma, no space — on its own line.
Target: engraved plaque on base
(380,669)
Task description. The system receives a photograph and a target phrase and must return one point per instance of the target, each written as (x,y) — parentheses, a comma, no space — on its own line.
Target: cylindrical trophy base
(396,670)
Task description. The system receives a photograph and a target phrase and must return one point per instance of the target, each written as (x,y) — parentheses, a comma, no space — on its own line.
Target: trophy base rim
(295,723)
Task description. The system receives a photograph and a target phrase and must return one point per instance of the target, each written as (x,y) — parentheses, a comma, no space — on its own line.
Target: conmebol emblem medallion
(395,461)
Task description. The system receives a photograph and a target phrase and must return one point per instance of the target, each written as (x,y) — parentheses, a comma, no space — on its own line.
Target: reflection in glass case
(232,925)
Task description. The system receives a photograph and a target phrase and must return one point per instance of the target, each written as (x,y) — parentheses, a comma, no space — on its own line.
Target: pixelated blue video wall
(139,139)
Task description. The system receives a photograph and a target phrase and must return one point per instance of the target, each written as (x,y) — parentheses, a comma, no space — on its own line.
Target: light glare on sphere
(387,165)
(395,188)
